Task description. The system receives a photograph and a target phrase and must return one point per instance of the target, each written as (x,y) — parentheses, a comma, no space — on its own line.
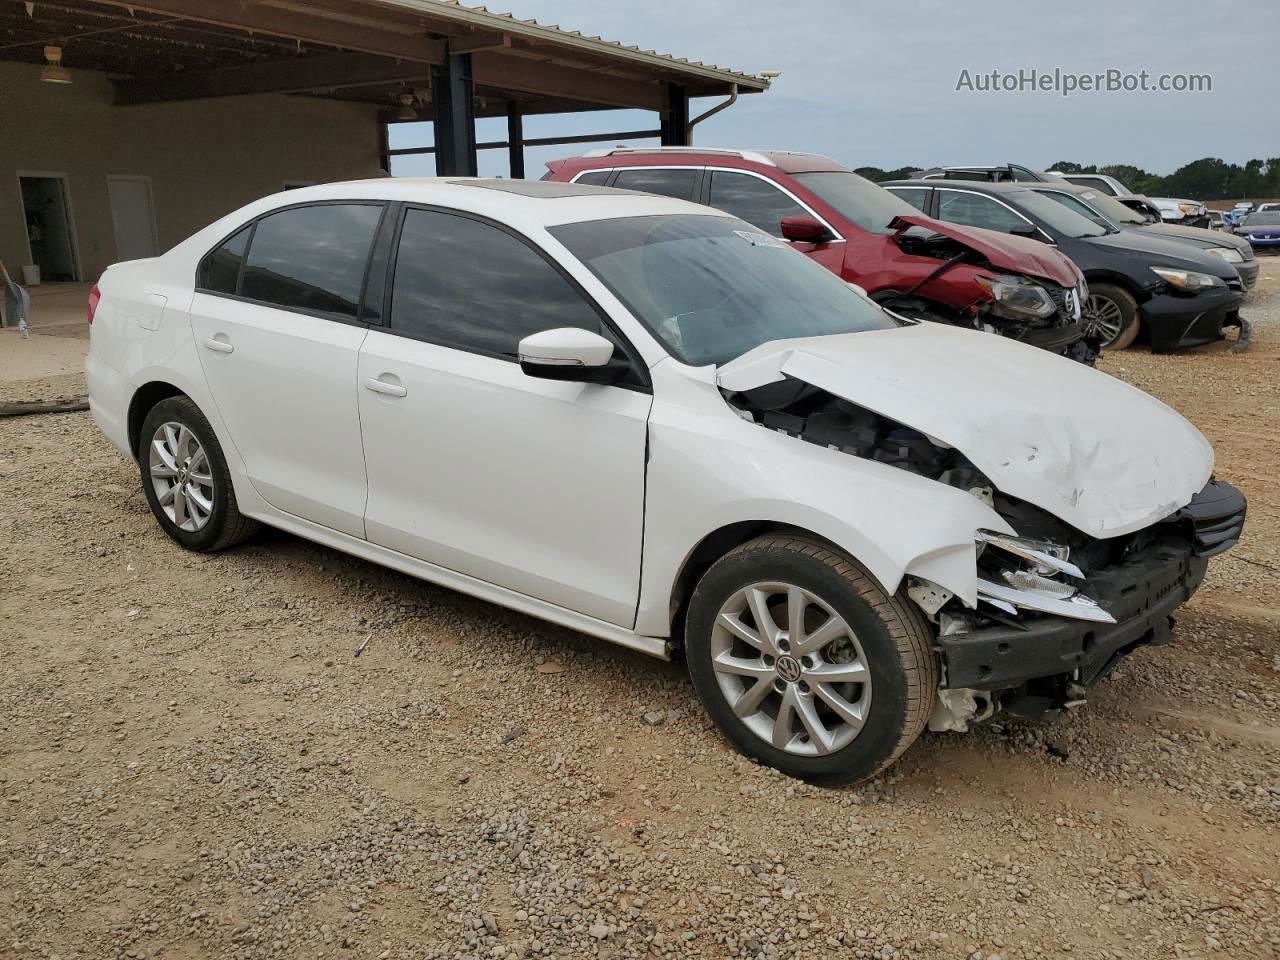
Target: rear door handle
(219,344)
(387,389)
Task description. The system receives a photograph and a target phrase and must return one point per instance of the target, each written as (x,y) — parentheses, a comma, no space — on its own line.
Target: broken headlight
(1017,297)
(1037,576)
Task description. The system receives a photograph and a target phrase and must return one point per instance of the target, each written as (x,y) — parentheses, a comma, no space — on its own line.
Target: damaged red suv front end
(911,264)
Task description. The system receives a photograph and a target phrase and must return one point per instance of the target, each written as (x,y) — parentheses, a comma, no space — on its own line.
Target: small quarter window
(220,270)
(596,178)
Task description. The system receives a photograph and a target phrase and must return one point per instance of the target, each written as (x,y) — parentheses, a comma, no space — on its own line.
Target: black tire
(226,526)
(895,640)
(1131,323)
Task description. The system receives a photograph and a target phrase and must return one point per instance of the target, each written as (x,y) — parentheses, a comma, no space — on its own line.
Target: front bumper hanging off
(1140,593)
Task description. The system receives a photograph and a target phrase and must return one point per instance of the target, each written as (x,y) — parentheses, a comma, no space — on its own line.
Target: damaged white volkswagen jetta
(651,422)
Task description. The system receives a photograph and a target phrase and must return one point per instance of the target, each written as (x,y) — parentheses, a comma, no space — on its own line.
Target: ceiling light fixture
(54,71)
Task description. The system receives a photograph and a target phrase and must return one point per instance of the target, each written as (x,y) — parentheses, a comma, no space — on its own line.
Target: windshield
(857,199)
(1055,215)
(1265,217)
(712,288)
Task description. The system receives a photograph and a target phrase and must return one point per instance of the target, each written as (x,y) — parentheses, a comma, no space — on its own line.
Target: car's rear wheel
(185,478)
(805,663)
(1111,316)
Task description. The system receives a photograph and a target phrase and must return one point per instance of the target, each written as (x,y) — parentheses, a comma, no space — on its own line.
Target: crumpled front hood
(1005,252)
(1090,449)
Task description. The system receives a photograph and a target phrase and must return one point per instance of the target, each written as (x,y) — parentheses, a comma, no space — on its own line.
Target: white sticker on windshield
(760,239)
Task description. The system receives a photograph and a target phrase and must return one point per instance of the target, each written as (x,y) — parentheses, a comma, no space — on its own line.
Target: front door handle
(385,388)
(219,344)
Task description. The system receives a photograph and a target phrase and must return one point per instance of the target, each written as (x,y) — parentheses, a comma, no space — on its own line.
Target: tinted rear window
(312,258)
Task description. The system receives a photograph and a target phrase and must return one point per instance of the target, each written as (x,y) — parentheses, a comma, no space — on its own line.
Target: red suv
(911,264)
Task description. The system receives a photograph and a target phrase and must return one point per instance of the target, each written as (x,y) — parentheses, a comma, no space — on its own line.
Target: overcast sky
(873,83)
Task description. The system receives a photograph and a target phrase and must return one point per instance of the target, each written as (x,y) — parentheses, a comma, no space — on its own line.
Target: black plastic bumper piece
(1141,594)
(1215,516)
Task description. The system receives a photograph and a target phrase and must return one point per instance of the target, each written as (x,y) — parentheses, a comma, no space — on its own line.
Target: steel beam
(675,116)
(515,140)
(453,97)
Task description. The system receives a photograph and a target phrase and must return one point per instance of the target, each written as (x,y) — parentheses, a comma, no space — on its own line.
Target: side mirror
(570,353)
(1025,230)
(804,230)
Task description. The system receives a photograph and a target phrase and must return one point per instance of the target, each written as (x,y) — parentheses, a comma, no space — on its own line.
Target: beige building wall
(205,158)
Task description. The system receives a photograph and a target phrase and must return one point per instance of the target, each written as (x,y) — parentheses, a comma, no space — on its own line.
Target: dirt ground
(193,764)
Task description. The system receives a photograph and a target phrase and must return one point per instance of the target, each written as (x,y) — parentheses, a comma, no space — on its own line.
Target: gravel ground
(192,763)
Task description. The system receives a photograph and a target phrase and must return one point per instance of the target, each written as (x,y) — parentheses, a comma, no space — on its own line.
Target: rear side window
(220,270)
(756,201)
(595,177)
(975,210)
(667,183)
(467,284)
(918,197)
(312,258)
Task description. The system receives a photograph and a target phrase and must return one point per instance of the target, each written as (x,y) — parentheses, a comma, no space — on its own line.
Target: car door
(277,325)
(533,485)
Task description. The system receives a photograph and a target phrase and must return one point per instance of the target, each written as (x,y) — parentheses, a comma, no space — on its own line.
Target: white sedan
(645,420)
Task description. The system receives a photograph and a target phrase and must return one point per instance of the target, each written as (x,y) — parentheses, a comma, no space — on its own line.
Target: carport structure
(424,60)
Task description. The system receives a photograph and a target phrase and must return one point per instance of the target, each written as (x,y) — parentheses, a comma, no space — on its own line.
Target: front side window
(710,288)
(975,210)
(312,258)
(220,270)
(753,200)
(1076,205)
(467,284)
(867,204)
(667,183)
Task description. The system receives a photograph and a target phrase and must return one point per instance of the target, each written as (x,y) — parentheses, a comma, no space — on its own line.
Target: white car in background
(645,420)
(1191,213)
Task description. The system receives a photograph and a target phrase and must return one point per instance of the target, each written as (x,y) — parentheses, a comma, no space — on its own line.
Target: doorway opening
(133,217)
(46,212)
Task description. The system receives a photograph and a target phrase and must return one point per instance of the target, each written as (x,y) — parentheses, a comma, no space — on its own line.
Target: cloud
(873,83)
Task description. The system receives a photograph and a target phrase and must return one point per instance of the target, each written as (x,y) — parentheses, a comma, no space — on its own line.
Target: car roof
(786,161)
(982,186)
(527,206)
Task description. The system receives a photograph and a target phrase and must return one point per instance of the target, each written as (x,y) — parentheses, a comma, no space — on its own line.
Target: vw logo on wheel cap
(788,669)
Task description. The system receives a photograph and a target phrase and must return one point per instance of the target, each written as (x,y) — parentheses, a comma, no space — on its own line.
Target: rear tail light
(94,296)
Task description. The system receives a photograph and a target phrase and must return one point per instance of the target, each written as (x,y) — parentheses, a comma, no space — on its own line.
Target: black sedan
(1108,211)
(1164,290)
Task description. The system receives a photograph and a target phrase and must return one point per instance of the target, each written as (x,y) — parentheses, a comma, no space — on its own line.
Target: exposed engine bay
(1057,608)
(1039,312)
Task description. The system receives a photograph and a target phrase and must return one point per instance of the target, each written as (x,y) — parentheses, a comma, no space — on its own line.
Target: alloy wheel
(791,669)
(1103,319)
(181,476)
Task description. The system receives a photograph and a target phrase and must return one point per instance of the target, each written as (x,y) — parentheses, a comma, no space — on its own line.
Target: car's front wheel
(1111,316)
(185,478)
(805,663)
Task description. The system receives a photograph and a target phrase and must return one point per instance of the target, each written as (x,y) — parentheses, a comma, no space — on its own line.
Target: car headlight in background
(1229,254)
(1191,208)
(1187,280)
(1017,297)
